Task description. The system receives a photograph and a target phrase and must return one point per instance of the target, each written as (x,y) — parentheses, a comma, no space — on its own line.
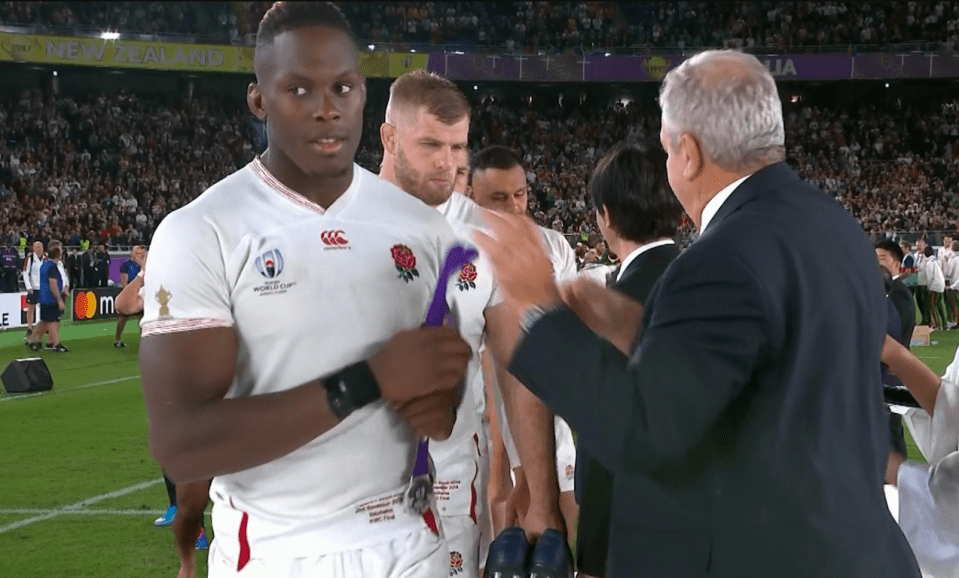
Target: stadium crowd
(105,169)
(536,26)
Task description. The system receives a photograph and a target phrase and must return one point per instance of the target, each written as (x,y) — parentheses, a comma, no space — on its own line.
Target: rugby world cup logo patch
(270,264)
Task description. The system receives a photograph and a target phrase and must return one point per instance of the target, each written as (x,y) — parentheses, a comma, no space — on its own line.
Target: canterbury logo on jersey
(334,240)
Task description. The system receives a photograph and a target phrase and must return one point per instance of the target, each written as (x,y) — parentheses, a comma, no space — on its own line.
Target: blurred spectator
(548,27)
(113,167)
(9,267)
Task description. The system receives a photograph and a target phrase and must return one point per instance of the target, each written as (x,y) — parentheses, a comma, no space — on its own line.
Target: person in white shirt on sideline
(922,282)
(951,272)
(936,286)
(31,280)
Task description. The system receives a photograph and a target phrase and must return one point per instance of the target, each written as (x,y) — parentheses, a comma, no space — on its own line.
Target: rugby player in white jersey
(498,183)
(424,136)
(290,363)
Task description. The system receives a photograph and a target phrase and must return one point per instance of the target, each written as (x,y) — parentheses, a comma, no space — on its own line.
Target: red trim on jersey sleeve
(165,326)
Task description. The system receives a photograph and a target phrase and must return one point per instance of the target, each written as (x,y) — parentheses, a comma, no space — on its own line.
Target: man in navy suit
(638,215)
(746,432)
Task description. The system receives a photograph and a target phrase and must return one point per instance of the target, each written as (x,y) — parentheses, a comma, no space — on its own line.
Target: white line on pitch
(82,504)
(52,391)
(87,512)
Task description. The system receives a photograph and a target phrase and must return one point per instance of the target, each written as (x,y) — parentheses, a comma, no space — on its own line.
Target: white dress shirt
(712,207)
(639,251)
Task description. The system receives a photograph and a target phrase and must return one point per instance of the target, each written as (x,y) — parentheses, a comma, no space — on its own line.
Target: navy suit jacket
(594,483)
(746,434)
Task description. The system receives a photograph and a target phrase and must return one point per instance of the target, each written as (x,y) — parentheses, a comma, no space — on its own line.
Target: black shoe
(35,346)
(507,555)
(551,556)
(61,348)
(50,347)
(119,344)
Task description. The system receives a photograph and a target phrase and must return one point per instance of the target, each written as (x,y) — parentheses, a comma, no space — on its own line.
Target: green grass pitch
(84,445)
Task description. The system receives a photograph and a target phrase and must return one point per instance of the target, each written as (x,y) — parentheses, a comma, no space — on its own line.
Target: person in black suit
(87,270)
(746,432)
(901,322)
(101,260)
(890,258)
(638,216)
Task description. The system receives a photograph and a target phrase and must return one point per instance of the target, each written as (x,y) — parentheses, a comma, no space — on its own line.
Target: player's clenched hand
(431,416)
(418,362)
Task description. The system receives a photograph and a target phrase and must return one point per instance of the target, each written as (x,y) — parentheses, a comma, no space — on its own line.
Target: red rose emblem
(467,277)
(456,562)
(403,256)
(468,273)
(405,262)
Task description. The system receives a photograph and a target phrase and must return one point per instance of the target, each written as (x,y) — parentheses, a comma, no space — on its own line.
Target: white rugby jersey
(470,293)
(308,292)
(563,258)
(560,254)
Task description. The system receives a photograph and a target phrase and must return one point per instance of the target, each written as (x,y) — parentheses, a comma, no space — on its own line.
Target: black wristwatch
(350,389)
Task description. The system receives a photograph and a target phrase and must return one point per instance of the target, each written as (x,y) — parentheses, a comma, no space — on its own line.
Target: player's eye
(297,90)
(343,88)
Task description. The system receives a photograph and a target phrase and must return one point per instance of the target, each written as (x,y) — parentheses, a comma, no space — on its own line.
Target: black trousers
(922,299)
(9,282)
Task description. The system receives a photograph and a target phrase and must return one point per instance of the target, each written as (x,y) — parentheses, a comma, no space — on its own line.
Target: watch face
(339,401)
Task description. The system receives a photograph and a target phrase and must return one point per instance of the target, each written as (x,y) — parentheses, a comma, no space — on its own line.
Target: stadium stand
(536,26)
(110,168)
(104,168)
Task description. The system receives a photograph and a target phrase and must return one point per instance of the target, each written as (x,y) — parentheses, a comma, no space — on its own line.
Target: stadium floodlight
(110,35)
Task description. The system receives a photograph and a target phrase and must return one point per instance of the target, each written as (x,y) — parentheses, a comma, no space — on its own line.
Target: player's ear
(254,100)
(388,137)
(470,193)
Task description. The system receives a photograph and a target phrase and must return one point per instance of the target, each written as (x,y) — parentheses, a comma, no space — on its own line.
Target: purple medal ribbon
(457,257)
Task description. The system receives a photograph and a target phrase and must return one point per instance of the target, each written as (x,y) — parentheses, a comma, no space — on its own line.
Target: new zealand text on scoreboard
(86,51)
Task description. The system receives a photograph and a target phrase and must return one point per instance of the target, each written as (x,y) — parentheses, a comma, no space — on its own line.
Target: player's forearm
(129,301)
(201,440)
(531,424)
(922,382)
